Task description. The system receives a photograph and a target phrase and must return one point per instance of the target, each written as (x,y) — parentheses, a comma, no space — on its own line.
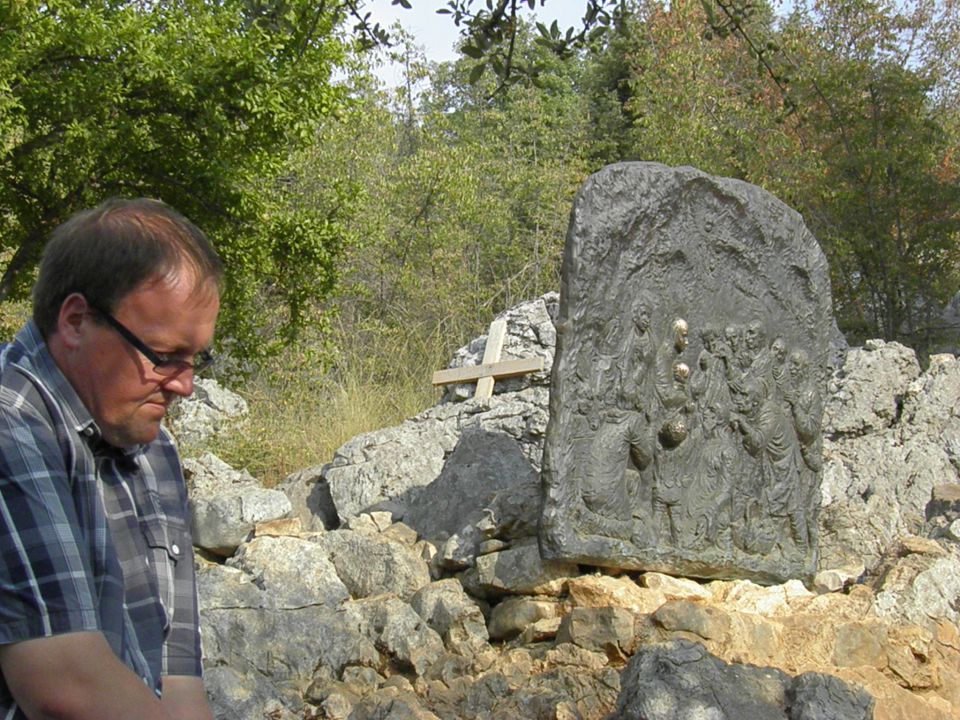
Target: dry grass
(300,415)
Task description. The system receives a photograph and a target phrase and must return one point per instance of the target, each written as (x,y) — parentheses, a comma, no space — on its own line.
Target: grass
(301,412)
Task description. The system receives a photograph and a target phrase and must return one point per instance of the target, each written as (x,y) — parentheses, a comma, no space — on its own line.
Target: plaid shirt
(91,537)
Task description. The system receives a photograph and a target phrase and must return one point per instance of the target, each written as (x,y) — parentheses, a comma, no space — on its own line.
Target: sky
(437,33)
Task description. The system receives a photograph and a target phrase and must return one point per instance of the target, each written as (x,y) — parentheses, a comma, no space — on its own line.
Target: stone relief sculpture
(688,387)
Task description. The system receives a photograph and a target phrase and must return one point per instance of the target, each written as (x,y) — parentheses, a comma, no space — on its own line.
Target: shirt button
(175,549)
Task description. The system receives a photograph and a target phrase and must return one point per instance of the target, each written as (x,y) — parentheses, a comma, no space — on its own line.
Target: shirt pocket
(166,540)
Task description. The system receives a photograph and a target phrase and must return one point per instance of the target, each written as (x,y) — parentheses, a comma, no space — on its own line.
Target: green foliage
(843,111)
(884,203)
(195,102)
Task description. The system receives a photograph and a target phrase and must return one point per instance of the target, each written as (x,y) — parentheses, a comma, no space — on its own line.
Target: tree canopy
(190,101)
(442,206)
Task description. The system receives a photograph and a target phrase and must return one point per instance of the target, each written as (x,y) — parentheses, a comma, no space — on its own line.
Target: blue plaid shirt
(91,537)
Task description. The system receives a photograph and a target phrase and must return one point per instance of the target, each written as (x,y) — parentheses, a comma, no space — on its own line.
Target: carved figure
(768,435)
(668,392)
(673,457)
(621,437)
(806,410)
(638,381)
(710,493)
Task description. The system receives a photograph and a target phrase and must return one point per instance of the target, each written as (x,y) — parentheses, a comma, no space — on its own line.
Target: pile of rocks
(403,579)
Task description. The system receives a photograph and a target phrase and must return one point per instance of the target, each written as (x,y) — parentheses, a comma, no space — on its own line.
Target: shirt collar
(30,352)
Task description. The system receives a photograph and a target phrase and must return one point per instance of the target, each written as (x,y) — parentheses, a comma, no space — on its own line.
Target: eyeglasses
(163,363)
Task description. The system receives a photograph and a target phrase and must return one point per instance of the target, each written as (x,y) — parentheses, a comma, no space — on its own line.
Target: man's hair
(106,252)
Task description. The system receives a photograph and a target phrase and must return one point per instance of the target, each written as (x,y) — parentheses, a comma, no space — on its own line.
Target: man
(98,610)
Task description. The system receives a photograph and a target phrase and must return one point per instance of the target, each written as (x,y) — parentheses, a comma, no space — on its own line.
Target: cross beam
(490,368)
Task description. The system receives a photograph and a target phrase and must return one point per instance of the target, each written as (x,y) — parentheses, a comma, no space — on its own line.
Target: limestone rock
(609,630)
(530,333)
(868,393)
(513,615)
(227,504)
(396,630)
(681,680)
(891,435)
(518,570)
(292,572)
(395,465)
(482,465)
(453,615)
(921,588)
(210,410)
(606,591)
(310,499)
(372,565)
(260,657)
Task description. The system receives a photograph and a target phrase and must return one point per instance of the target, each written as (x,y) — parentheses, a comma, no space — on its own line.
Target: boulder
(210,410)
(531,332)
(391,467)
(891,438)
(310,499)
(226,504)
(372,565)
(680,680)
(403,637)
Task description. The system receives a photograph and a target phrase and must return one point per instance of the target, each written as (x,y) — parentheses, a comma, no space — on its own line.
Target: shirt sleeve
(46,582)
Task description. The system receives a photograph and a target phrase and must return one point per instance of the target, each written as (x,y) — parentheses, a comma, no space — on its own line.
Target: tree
(844,111)
(191,101)
(871,78)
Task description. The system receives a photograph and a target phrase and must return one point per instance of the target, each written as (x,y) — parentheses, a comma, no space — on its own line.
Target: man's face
(118,385)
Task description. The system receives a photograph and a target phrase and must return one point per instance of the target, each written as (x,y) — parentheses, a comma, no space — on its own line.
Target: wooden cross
(491,368)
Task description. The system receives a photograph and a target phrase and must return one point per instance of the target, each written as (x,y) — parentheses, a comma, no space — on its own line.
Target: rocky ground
(403,580)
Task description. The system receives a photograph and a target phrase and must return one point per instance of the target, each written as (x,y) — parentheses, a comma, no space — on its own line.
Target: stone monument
(688,385)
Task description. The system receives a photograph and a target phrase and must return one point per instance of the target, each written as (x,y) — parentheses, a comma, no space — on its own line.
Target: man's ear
(70,322)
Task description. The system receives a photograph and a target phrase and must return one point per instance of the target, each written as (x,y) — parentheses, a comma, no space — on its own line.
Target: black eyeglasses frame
(162,363)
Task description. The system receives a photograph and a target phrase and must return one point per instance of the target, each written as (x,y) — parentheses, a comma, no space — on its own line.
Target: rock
(815,696)
(608,630)
(482,465)
(518,570)
(890,442)
(372,565)
(694,343)
(260,658)
(867,395)
(395,465)
(453,615)
(684,616)
(921,588)
(860,644)
(745,596)
(396,630)
(293,573)
(606,591)
(513,615)
(674,587)
(310,499)
(530,333)
(837,579)
(390,704)
(681,680)
(227,504)
(944,502)
(210,410)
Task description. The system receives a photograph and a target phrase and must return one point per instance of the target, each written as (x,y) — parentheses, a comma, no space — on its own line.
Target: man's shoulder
(21,394)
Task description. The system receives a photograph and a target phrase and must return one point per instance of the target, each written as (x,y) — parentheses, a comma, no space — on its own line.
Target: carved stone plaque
(687,389)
